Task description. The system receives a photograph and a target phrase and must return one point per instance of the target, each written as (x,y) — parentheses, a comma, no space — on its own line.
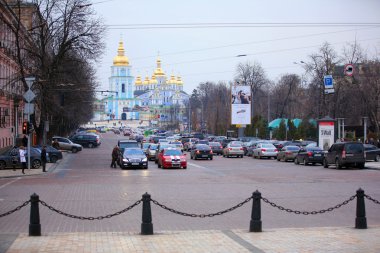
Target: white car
(265,150)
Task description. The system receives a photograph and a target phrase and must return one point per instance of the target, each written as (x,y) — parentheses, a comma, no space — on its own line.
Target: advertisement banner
(241,100)
(326,135)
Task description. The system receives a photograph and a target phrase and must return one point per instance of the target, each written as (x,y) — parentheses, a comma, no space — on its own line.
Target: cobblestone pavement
(324,240)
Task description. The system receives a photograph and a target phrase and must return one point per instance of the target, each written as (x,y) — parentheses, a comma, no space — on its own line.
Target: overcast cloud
(209,53)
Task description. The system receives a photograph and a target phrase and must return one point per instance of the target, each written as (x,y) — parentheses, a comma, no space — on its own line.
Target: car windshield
(172,152)
(214,144)
(133,152)
(354,148)
(267,146)
(203,147)
(235,145)
(153,147)
(314,149)
(293,148)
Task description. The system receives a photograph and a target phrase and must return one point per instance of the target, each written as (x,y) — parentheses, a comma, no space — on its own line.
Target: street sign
(329,91)
(328,81)
(29,96)
(29,108)
(29,81)
(349,70)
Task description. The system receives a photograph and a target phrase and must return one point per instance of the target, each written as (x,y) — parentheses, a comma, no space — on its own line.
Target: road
(84,184)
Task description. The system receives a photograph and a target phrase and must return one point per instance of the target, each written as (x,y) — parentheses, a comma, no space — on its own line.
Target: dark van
(345,154)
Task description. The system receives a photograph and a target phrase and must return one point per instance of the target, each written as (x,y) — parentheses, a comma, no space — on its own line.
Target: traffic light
(25,127)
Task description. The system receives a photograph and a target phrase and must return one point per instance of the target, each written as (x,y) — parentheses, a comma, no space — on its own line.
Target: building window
(123,88)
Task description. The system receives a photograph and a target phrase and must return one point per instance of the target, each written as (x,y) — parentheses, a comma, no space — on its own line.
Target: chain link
(201,215)
(90,218)
(309,212)
(372,199)
(16,209)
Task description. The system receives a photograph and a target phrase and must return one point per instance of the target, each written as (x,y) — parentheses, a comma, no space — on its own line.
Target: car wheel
(155,161)
(304,162)
(36,164)
(146,167)
(191,156)
(2,165)
(377,158)
(361,165)
(278,158)
(90,145)
(74,150)
(53,159)
(337,164)
(296,161)
(224,155)
(185,167)
(159,165)
(325,164)
(210,158)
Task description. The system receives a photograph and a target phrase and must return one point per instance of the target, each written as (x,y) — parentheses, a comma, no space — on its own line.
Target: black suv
(86,140)
(345,154)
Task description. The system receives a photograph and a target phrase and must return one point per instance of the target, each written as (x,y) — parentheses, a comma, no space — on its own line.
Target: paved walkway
(323,240)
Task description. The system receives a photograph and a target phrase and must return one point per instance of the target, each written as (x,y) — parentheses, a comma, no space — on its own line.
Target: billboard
(326,134)
(241,100)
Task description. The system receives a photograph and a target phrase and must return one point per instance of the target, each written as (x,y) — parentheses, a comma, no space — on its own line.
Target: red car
(171,158)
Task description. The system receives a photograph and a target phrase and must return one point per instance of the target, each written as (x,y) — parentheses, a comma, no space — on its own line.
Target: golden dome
(172,79)
(179,81)
(158,71)
(153,80)
(138,80)
(120,59)
(146,81)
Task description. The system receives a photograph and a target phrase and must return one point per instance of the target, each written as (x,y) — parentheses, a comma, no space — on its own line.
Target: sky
(278,35)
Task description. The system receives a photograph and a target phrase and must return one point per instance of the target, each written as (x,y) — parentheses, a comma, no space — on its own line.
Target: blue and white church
(157,99)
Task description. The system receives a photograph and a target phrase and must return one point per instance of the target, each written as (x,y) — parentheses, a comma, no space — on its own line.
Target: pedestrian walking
(25,141)
(43,158)
(55,144)
(22,153)
(115,156)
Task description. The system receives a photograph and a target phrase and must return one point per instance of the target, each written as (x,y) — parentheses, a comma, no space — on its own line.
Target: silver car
(265,150)
(66,144)
(234,148)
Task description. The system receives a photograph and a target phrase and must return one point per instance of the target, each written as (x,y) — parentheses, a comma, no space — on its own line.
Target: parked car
(53,154)
(264,150)
(145,146)
(226,141)
(307,155)
(133,158)
(287,153)
(201,151)
(87,140)
(216,148)
(345,154)
(171,158)
(372,153)
(66,144)
(151,151)
(10,157)
(233,149)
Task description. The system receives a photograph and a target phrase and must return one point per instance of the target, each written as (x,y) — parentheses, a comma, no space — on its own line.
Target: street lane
(85,185)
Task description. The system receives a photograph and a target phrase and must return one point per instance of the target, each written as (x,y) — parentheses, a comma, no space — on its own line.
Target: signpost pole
(29,97)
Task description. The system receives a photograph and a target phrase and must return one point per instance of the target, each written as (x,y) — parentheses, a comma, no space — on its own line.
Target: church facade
(158,99)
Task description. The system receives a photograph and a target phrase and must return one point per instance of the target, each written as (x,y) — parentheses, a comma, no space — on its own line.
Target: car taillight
(221,147)
(197,152)
(309,153)
(263,149)
(210,151)
(344,153)
(241,148)
(275,150)
(229,148)
(288,153)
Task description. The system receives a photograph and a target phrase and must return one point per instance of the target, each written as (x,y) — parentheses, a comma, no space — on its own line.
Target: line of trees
(294,96)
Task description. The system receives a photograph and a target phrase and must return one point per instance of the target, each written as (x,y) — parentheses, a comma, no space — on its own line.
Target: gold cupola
(179,81)
(172,79)
(153,80)
(146,81)
(120,59)
(158,71)
(138,80)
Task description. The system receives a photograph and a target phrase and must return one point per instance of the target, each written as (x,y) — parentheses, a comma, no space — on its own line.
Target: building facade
(158,99)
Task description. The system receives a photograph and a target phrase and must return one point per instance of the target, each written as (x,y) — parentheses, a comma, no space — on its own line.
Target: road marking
(11,182)
(207,170)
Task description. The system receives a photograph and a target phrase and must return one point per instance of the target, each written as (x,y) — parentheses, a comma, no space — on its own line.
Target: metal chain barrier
(90,218)
(372,199)
(16,209)
(309,212)
(201,215)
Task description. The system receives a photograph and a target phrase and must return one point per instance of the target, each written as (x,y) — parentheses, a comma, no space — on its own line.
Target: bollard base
(147,229)
(35,230)
(361,223)
(255,226)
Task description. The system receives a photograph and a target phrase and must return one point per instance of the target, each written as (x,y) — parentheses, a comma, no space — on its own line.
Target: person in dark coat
(115,156)
(43,158)
(25,141)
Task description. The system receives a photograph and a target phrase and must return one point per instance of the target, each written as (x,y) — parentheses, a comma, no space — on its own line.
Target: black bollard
(34,226)
(255,224)
(146,225)
(361,220)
